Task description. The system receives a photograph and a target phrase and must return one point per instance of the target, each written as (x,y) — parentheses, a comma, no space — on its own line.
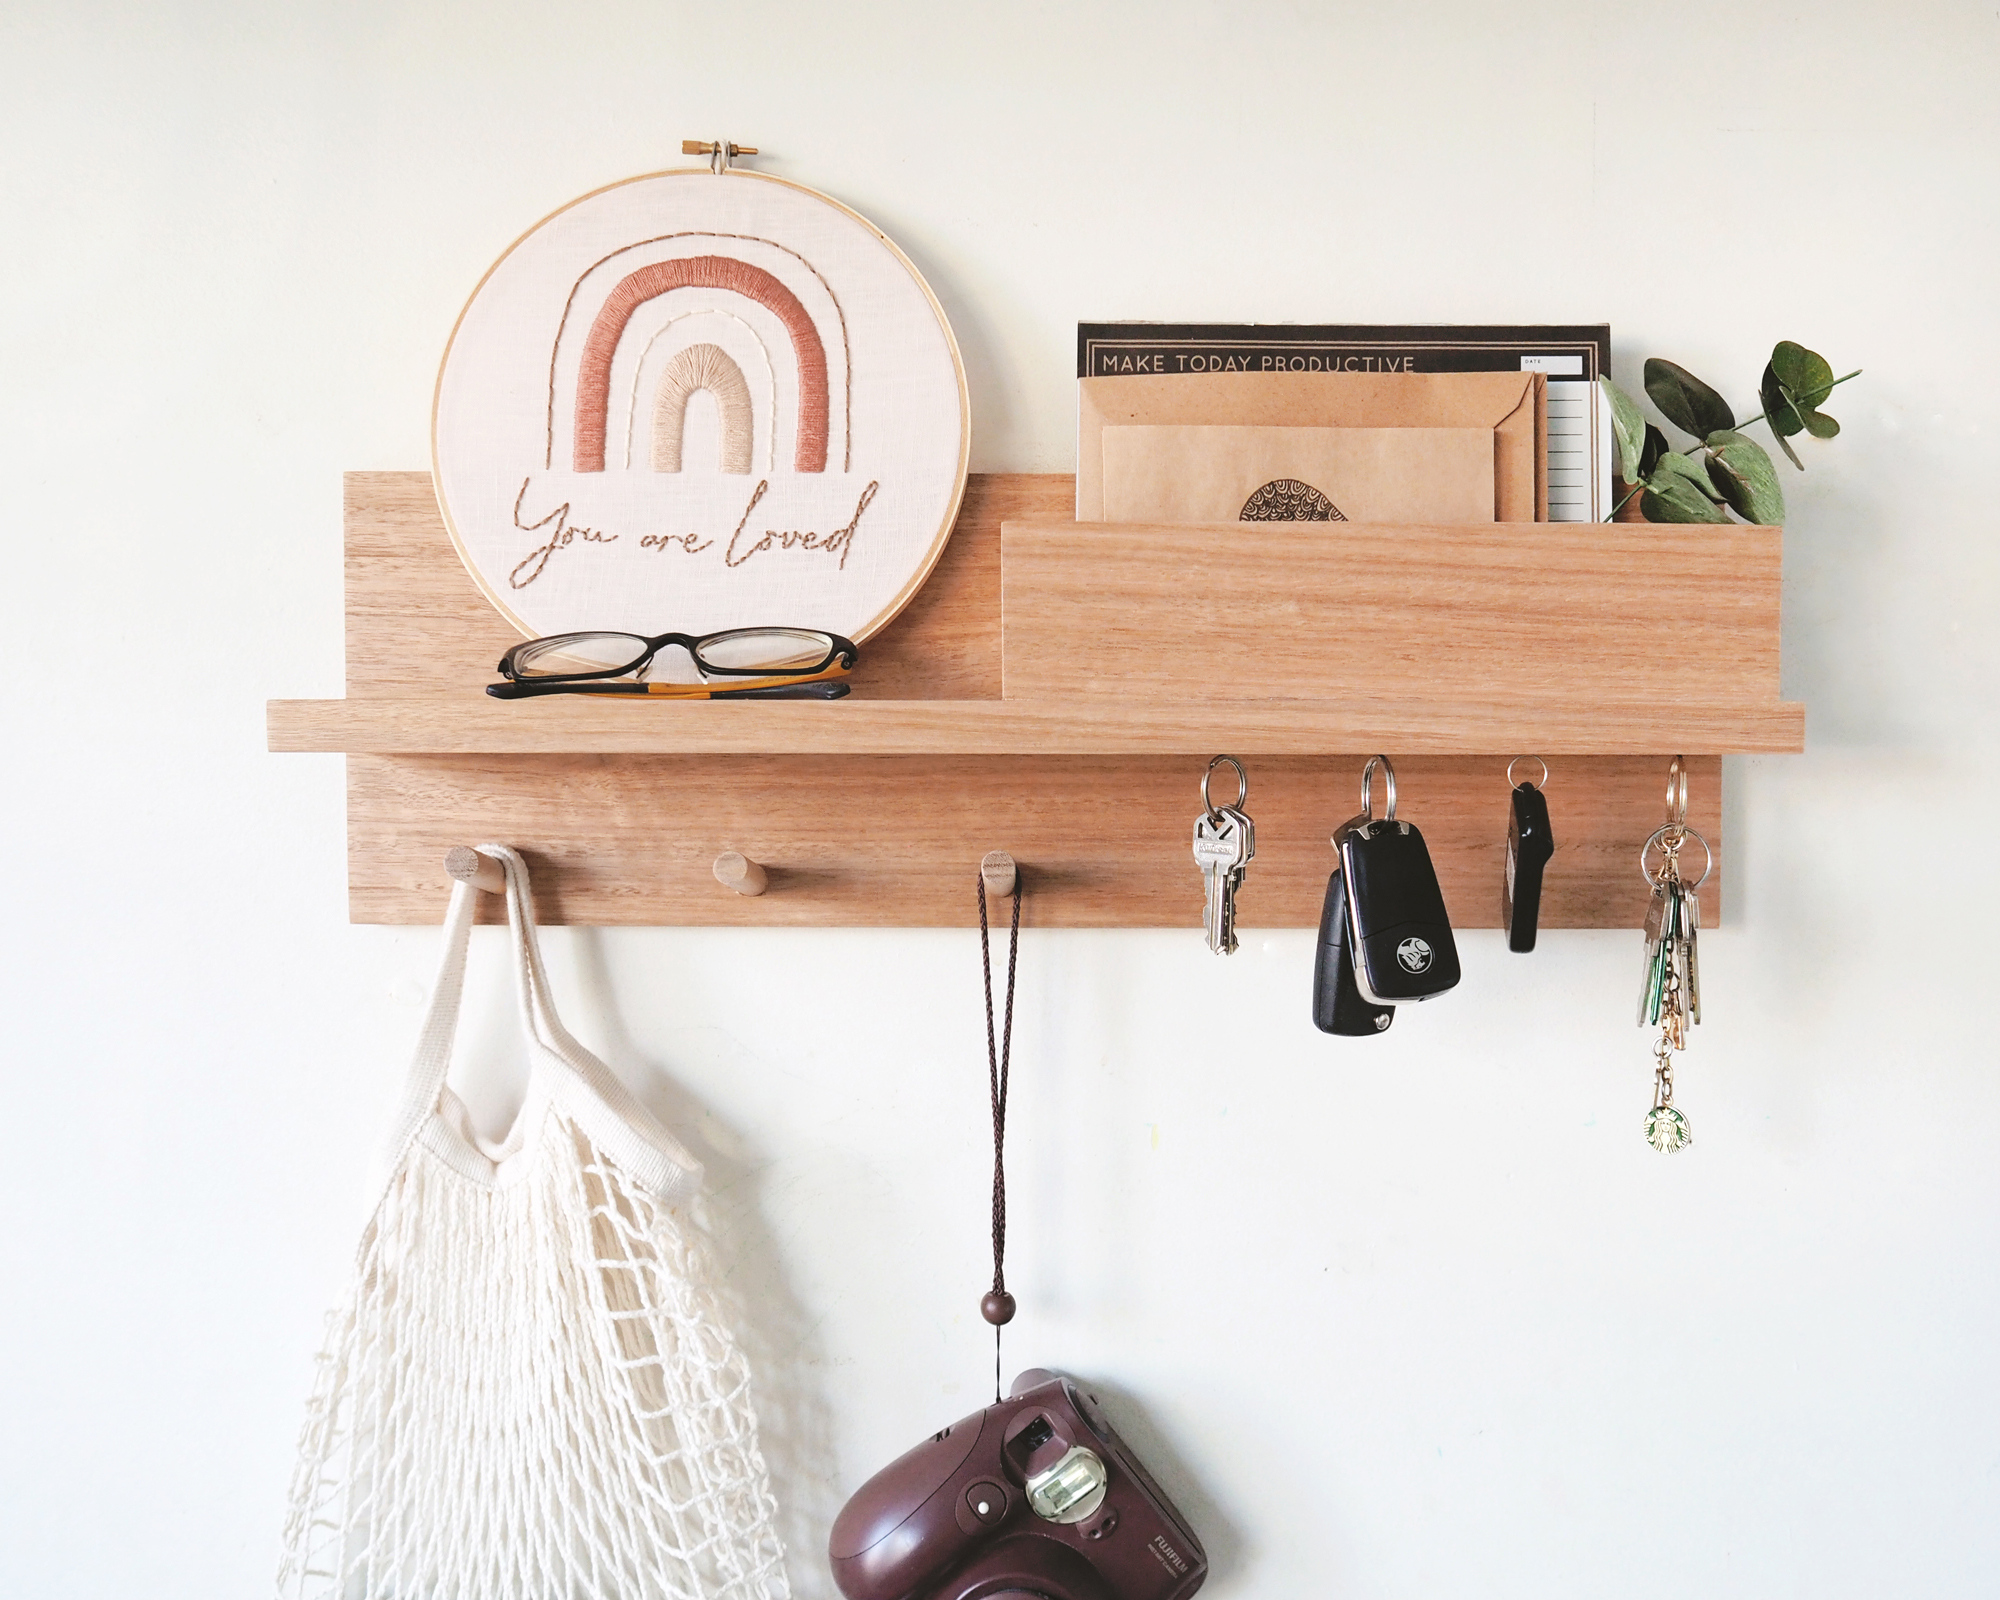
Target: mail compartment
(1477,441)
(1540,612)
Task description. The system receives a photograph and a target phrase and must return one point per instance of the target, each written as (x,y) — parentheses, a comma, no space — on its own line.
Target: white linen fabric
(531,1393)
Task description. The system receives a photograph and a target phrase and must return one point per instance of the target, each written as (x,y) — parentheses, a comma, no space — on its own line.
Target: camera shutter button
(987,1502)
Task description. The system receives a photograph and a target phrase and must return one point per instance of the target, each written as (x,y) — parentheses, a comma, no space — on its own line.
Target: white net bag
(531,1393)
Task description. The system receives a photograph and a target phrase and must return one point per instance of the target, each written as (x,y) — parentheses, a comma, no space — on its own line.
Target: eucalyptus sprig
(1724,468)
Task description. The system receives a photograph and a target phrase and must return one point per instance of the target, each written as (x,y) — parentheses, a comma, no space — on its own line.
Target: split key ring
(1242,786)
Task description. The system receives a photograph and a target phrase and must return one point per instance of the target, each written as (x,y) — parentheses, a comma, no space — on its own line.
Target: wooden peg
(734,870)
(997,869)
(482,872)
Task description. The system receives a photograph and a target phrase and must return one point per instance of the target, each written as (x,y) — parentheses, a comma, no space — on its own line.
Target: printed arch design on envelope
(735,278)
(1290,500)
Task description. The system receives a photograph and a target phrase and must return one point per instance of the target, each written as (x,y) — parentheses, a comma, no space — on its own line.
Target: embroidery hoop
(927,544)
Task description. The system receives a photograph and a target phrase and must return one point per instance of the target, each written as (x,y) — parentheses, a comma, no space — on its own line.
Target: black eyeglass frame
(840,650)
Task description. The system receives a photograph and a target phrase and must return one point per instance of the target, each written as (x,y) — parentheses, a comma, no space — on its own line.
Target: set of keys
(1670,995)
(1225,842)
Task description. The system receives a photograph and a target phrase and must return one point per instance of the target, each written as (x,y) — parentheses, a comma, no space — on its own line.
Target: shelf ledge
(1092,726)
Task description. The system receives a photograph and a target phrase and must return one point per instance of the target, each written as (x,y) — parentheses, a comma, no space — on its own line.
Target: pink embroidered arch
(593,383)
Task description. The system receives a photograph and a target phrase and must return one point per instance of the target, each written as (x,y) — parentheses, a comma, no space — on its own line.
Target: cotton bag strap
(582,1085)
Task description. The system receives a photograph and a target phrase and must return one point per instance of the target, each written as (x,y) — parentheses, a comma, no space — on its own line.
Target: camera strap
(998,1305)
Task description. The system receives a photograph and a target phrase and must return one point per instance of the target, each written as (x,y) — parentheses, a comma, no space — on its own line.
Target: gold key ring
(1242,786)
(1659,835)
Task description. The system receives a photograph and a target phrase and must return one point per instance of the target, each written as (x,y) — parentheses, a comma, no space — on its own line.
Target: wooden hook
(997,870)
(734,870)
(482,872)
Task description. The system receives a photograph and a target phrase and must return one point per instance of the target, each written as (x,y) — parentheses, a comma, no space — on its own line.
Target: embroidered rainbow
(593,384)
(702,367)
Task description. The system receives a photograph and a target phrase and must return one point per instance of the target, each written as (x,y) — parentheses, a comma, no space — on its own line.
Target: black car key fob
(1529,846)
(1338,1004)
(1400,932)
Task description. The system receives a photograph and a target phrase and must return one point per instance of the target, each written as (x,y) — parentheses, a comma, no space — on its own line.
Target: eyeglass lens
(738,650)
(765,650)
(564,653)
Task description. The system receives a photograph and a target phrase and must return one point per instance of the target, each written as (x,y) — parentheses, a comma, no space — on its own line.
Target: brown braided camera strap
(998,1305)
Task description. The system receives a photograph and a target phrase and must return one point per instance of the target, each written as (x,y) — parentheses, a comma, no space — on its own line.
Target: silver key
(1659,917)
(1690,925)
(1235,880)
(1220,839)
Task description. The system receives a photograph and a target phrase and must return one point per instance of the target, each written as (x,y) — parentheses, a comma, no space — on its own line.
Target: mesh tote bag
(530,1393)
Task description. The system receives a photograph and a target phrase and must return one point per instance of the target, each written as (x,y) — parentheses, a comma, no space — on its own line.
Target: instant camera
(1034,1498)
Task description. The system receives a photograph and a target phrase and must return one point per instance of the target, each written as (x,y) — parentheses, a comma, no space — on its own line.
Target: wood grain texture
(897,841)
(1091,725)
(416,621)
(1541,612)
(876,810)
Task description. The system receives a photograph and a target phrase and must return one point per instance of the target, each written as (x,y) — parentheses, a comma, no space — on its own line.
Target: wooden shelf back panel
(416,622)
(1124,648)
(1539,612)
(857,841)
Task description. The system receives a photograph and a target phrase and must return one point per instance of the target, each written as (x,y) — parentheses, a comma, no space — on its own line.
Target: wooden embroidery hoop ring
(903,596)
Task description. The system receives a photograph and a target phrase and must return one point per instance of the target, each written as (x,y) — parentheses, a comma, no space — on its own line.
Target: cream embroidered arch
(702,366)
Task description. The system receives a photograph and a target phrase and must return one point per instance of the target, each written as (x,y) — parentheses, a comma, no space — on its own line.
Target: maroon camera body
(1034,1496)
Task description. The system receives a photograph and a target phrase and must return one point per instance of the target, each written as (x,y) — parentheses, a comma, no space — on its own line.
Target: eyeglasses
(773,664)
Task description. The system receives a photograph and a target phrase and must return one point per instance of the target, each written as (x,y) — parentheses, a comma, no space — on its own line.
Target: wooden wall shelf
(434,725)
(1450,649)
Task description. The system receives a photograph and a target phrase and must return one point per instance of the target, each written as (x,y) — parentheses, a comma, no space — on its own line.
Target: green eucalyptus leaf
(1781,410)
(1741,469)
(1656,446)
(1685,401)
(1804,372)
(1675,465)
(1672,498)
(1795,383)
(1782,415)
(1628,427)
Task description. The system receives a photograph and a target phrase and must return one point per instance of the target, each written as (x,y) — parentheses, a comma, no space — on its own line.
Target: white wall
(1424,1317)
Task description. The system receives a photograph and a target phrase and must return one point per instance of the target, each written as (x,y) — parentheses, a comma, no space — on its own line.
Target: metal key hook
(1677,793)
(1538,761)
(1242,787)
(1368,789)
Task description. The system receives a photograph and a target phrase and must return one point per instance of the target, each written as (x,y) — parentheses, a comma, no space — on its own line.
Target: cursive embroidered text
(537,560)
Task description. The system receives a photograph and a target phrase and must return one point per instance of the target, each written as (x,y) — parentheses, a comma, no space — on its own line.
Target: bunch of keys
(1670,996)
(1225,842)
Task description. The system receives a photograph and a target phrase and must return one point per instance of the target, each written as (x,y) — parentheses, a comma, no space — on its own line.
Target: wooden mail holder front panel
(1536,611)
(1130,642)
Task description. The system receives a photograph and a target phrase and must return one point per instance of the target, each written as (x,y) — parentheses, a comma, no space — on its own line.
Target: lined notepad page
(1579,441)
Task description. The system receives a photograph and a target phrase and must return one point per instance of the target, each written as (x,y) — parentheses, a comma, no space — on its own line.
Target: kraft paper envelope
(1230,474)
(1514,405)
